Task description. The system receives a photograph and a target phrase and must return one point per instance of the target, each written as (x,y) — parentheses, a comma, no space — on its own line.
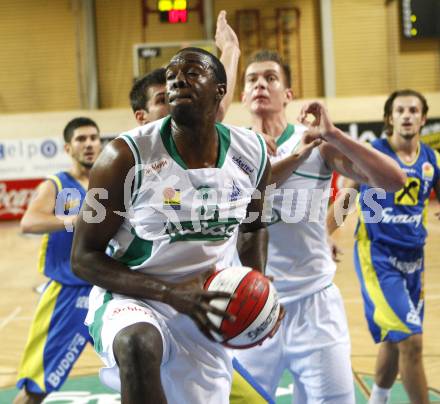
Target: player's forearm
(40,223)
(99,269)
(380,170)
(284,168)
(331,220)
(229,58)
(339,210)
(252,248)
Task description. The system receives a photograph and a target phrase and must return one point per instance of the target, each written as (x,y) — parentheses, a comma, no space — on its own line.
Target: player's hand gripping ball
(254,304)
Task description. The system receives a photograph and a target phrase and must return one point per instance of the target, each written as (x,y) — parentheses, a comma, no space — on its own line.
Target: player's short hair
(139,91)
(216,65)
(265,55)
(75,124)
(388,107)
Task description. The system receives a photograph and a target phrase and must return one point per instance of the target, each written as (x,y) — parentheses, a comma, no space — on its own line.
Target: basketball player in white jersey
(148,102)
(149,252)
(313,341)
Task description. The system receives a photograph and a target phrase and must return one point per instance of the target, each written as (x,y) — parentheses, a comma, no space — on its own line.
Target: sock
(379,395)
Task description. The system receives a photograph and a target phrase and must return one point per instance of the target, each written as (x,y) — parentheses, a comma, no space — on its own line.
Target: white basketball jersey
(299,257)
(183,221)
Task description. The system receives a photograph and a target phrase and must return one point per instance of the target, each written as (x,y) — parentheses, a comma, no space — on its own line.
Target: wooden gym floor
(18,274)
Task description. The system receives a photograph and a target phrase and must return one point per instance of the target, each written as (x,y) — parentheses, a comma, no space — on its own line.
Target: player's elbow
(26,225)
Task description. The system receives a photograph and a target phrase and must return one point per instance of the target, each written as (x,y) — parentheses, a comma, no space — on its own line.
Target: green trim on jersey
(168,142)
(286,135)
(263,158)
(224,141)
(138,161)
(315,177)
(137,252)
(96,327)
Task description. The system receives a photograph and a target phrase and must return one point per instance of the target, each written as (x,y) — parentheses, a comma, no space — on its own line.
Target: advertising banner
(31,158)
(15,196)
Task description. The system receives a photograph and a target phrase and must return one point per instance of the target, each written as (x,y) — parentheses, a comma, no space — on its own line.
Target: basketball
(255,306)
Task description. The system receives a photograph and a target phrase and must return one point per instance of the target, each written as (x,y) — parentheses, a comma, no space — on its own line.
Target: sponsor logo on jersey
(243,164)
(409,194)
(387,217)
(407,267)
(427,171)
(73,203)
(210,230)
(409,170)
(155,167)
(171,198)
(235,193)
(129,308)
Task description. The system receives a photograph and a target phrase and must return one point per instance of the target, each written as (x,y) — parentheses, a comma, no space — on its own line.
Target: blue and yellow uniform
(58,334)
(389,258)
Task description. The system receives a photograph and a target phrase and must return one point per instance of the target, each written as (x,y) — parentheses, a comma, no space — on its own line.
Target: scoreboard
(173,11)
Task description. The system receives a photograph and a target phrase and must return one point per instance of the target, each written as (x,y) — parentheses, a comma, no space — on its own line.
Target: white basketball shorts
(194,369)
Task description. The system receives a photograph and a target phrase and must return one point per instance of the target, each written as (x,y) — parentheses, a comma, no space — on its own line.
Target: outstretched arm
(226,40)
(349,157)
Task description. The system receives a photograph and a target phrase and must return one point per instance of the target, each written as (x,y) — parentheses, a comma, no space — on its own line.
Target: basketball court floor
(18,261)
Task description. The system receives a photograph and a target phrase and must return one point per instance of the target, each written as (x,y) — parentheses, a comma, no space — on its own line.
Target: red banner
(15,196)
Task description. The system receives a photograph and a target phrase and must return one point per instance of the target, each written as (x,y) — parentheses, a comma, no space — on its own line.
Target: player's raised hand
(224,34)
(309,141)
(321,120)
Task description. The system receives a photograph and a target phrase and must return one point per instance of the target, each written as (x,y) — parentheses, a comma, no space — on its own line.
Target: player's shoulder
(234,129)
(247,149)
(147,140)
(59,179)
(240,136)
(431,154)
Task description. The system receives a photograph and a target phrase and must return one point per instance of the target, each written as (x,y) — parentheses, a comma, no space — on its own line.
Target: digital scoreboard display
(173,11)
(421,18)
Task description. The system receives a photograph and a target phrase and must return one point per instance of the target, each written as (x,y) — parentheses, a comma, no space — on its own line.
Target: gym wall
(42,46)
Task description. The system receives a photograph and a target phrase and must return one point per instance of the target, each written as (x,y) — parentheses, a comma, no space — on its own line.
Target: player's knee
(139,343)
(412,347)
